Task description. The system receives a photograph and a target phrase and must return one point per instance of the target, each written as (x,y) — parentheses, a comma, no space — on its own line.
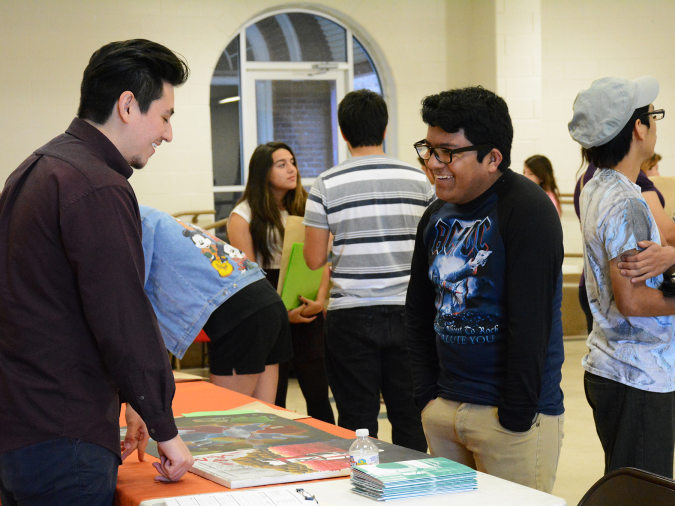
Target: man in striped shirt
(371,204)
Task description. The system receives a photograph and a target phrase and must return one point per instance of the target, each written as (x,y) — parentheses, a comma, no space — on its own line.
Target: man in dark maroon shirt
(77,333)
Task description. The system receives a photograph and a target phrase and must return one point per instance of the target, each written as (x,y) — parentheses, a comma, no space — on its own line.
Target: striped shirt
(372,205)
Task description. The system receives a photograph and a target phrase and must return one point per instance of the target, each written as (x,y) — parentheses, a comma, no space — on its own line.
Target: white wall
(537,53)
(585,40)
(519,72)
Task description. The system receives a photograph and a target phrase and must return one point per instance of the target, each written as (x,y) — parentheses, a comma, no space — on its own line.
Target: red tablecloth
(135,482)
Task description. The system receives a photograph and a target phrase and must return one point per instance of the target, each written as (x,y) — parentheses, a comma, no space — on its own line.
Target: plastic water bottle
(363,451)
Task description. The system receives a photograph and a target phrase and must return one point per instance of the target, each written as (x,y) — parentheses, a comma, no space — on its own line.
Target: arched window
(285,87)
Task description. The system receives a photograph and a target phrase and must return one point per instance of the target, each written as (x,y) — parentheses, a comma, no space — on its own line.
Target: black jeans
(58,472)
(313,384)
(635,427)
(365,354)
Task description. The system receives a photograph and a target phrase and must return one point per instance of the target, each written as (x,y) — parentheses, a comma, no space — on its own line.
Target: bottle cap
(361,432)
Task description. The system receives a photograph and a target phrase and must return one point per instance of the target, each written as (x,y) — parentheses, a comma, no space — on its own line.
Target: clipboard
(299,279)
(294,232)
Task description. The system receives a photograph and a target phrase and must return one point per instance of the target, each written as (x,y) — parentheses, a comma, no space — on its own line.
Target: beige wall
(537,53)
(46,45)
(585,40)
(518,53)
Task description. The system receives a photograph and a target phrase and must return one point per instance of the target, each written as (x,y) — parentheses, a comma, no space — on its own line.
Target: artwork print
(251,449)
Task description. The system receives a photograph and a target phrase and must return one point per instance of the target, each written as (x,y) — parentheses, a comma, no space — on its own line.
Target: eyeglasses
(657,115)
(444,155)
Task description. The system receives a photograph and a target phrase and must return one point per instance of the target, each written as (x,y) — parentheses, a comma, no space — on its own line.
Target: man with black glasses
(630,368)
(483,319)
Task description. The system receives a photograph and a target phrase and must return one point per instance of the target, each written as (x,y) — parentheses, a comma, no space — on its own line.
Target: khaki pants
(471,435)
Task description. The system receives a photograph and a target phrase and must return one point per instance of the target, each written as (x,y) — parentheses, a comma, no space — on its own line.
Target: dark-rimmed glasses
(657,115)
(444,155)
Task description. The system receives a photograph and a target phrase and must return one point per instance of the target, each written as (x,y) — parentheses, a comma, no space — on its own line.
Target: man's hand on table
(137,435)
(176,460)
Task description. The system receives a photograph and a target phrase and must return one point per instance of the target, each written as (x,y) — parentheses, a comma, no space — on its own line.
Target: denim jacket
(188,274)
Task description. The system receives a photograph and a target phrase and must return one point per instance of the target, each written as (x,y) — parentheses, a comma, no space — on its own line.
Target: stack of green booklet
(412,478)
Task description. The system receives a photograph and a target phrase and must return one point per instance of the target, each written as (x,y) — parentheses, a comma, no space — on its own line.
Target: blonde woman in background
(651,166)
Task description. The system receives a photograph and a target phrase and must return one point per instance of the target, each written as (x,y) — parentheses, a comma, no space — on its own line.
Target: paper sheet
(265,497)
(182,377)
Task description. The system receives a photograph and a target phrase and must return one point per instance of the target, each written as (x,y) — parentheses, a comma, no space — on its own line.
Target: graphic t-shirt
(486,282)
(635,351)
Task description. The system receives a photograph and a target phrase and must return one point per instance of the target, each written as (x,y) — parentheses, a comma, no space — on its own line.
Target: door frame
(300,73)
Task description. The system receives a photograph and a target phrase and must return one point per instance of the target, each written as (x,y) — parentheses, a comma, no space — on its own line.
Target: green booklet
(300,279)
(413,478)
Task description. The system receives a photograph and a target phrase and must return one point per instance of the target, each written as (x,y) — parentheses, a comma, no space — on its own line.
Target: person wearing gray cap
(630,368)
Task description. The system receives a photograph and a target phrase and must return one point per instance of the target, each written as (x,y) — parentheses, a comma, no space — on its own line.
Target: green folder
(300,279)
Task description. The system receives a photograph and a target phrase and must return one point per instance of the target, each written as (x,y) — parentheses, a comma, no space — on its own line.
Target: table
(491,491)
(135,481)
(135,484)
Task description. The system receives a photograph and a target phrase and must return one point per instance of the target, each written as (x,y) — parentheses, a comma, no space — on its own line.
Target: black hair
(139,66)
(480,113)
(609,155)
(265,213)
(363,118)
(542,167)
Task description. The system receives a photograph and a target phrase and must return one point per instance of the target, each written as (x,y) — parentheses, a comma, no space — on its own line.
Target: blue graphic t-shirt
(467,271)
(483,314)
(467,304)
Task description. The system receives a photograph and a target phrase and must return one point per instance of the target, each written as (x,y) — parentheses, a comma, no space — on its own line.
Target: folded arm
(654,259)
(636,298)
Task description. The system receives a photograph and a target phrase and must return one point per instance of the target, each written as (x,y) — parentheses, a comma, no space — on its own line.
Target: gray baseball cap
(601,111)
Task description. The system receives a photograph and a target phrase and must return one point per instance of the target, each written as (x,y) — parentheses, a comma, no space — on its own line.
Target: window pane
(296,37)
(303,114)
(225,130)
(365,76)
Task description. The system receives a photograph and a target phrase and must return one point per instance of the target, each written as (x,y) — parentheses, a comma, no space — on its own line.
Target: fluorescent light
(228,100)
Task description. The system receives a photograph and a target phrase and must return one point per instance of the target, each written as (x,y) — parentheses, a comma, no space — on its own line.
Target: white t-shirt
(274,240)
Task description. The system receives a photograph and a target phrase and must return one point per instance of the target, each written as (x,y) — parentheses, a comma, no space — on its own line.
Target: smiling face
(150,129)
(201,241)
(284,175)
(464,178)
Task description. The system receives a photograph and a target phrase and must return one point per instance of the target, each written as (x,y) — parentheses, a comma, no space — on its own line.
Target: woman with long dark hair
(256,226)
(538,168)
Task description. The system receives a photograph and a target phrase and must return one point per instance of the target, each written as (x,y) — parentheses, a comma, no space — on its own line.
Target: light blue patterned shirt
(635,351)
